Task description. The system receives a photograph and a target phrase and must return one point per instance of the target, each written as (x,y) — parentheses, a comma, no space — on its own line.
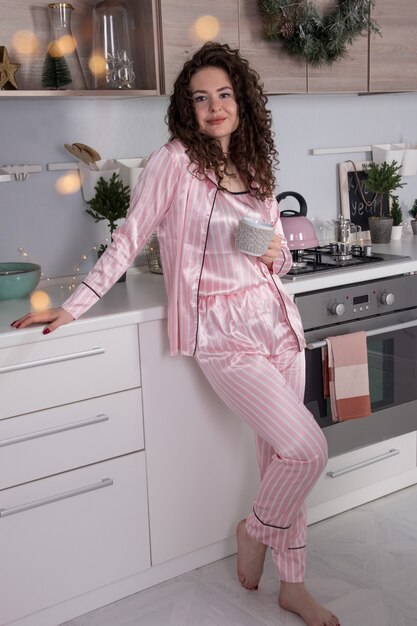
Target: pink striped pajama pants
(251,358)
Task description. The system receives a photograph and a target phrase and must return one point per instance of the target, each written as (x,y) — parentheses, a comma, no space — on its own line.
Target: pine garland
(320,39)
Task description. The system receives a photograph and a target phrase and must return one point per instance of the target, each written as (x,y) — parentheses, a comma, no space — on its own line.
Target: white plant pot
(396,232)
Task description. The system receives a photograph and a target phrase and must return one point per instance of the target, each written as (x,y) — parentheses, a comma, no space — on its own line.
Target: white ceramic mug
(253,236)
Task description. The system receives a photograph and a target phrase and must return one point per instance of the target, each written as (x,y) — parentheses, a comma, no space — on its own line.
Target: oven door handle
(370,333)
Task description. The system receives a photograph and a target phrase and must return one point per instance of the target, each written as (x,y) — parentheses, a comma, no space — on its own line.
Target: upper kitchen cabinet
(393,57)
(186,25)
(349,74)
(279,72)
(25,30)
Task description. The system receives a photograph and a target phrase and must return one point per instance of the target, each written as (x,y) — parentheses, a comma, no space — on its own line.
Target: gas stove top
(336,257)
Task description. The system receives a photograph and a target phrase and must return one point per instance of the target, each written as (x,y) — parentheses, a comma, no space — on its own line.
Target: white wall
(56,231)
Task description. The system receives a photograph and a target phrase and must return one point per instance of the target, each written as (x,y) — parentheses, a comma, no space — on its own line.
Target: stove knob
(387,298)
(337,308)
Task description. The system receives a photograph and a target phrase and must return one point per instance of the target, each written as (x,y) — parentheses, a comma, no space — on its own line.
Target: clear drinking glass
(112,58)
(62,67)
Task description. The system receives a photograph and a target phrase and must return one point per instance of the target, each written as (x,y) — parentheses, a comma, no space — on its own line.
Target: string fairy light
(77,269)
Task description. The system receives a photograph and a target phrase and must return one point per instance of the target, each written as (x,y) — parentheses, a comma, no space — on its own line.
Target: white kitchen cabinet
(68,534)
(56,440)
(362,475)
(202,470)
(56,371)
(73,494)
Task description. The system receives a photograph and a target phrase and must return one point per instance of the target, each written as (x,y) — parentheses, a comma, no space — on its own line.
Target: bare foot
(250,558)
(294,597)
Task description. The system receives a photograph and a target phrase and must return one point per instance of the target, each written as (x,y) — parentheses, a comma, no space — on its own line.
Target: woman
(227,308)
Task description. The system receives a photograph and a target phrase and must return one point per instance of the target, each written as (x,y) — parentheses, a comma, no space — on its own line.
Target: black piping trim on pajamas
(271,525)
(201,270)
(91,289)
(298,548)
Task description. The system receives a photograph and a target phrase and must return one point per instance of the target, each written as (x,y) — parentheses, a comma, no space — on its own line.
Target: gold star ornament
(7,70)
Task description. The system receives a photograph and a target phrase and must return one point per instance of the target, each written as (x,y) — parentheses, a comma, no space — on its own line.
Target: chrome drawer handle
(54,359)
(371,461)
(51,431)
(370,333)
(105,482)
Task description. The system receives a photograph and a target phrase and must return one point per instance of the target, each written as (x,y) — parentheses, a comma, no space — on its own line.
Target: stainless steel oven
(386,310)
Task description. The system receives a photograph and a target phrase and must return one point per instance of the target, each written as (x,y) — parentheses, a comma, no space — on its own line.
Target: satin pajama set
(226,309)
(251,357)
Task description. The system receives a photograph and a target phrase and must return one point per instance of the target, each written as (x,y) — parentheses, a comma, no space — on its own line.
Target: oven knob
(387,298)
(337,308)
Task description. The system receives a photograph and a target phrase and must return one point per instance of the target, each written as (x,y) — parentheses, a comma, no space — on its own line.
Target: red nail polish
(46,331)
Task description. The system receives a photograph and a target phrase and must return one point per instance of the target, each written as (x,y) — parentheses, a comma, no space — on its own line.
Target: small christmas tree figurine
(55,73)
(396,213)
(110,203)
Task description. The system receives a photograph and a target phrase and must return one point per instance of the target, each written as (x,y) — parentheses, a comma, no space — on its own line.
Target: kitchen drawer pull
(54,359)
(52,431)
(105,482)
(371,461)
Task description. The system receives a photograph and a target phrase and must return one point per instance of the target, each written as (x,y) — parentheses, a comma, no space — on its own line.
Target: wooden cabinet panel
(185,26)
(393,57)
(349,74)
(279,72)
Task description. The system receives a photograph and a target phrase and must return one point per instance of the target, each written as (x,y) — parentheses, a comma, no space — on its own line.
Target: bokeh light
(40,300)
(68,183)
(207,27)
(25,42)
(61,47)
(97,64)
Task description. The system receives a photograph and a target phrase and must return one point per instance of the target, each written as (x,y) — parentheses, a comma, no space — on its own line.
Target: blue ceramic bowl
(17,280)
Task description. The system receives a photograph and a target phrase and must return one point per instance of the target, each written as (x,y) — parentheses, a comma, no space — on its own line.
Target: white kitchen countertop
(142,297)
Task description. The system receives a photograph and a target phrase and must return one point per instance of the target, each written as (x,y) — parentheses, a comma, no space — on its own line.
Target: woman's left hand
(272,253)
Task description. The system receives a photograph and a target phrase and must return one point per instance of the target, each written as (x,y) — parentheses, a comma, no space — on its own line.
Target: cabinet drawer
(51,372)
(68,534)
(360,468)
(47,442)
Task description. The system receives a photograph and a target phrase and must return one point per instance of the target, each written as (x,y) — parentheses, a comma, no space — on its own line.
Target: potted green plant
(396,215)
(413,213)
(111,202)
(382,179)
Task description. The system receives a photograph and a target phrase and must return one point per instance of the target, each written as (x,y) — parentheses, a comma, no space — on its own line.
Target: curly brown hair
(251,149)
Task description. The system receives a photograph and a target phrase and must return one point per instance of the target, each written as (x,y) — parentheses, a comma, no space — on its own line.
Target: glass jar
(112,58)
(62,67)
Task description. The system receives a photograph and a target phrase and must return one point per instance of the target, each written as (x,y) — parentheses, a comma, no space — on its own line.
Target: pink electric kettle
(298,229)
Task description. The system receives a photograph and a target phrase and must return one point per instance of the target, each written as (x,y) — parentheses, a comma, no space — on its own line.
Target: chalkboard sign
(354,198)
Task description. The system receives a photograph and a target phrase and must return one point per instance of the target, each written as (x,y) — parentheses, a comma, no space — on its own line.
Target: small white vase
(396,232)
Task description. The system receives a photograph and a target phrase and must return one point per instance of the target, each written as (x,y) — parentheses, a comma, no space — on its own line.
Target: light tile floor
(362,564)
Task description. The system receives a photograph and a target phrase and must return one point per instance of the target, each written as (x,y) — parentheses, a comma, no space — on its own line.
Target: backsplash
(55,229)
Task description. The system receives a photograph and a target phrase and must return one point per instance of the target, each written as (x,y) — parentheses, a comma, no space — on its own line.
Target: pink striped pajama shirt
(227,309)
(251,356)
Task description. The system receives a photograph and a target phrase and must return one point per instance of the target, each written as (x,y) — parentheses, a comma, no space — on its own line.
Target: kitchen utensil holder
(90,178)
(153,255)
(131,169)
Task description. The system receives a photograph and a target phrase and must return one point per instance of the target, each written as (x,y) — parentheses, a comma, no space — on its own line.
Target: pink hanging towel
(347,382)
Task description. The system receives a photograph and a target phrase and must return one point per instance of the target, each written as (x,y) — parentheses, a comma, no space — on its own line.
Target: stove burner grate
(327,258)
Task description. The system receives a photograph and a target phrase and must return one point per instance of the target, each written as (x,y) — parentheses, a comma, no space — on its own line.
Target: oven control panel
(352,302)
